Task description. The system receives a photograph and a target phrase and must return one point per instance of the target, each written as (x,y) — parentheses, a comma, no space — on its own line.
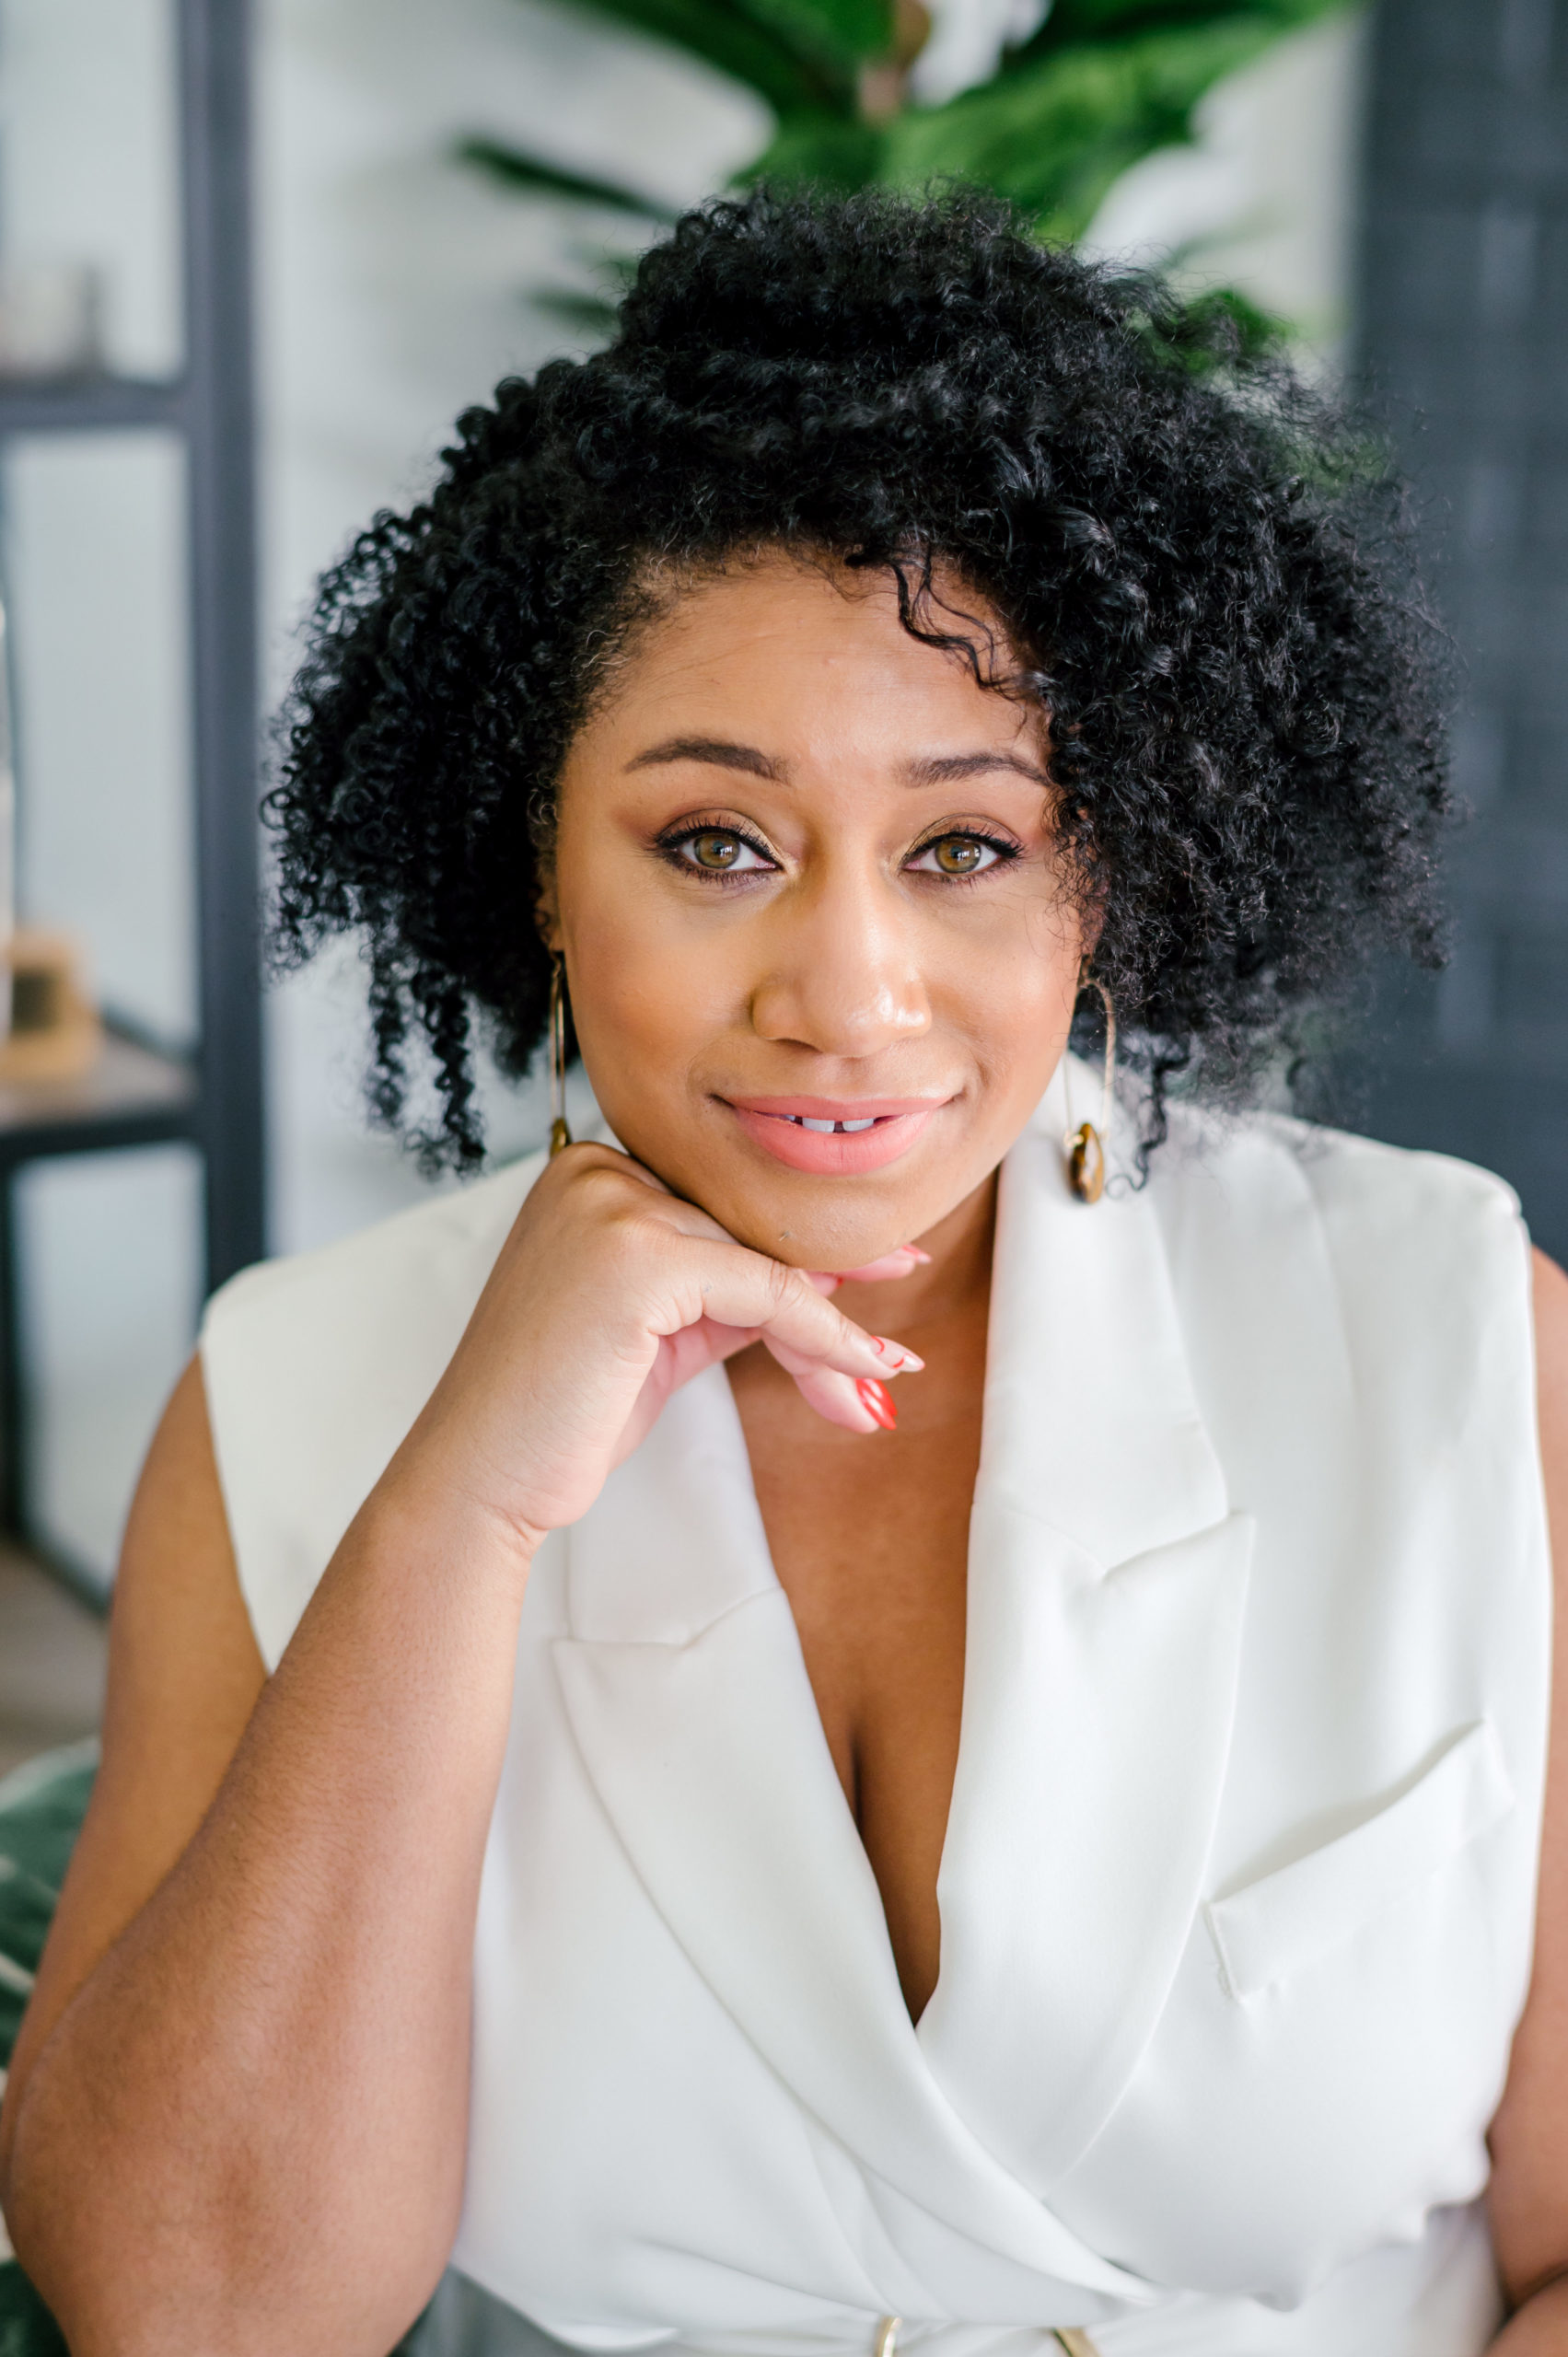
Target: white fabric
(1238,1884)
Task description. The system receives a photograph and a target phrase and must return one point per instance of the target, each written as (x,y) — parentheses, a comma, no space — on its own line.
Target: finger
(697,1348)
(889,1358)
(839,1398)
(802,1329)
(861,1406)
(902,1262)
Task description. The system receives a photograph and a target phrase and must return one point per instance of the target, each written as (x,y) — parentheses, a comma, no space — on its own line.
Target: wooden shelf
(132,1095)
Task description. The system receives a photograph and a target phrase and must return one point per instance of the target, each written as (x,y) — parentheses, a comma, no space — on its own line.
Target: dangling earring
(1085,1146)
(560,1135)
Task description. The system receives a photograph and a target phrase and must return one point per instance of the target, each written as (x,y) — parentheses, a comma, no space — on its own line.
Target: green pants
(41,1810)
(42,1807)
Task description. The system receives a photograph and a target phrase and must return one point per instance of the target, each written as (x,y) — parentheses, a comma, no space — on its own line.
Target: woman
(590,1779)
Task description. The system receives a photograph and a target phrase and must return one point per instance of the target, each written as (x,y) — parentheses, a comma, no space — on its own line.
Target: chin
(829,1225)
(819,1224)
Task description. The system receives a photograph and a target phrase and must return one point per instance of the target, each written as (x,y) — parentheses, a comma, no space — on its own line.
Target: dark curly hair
(1199,563)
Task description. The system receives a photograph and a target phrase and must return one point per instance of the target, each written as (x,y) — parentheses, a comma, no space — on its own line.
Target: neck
(955,1285)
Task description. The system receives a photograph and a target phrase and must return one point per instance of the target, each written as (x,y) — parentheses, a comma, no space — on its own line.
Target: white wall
(1265,200)
(92,545)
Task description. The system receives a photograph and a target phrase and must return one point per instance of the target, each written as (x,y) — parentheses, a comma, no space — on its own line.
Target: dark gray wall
(1464,332)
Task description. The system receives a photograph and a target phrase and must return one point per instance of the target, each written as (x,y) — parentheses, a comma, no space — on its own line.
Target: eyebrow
(714,750)
(945,769)
(936,770)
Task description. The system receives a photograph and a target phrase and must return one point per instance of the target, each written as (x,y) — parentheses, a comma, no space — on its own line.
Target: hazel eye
(718,851)
(957,855)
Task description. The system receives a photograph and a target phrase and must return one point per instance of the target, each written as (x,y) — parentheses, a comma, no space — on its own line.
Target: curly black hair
(1199,563)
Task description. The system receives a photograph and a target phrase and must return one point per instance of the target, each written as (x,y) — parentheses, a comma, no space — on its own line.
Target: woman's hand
(608,1295)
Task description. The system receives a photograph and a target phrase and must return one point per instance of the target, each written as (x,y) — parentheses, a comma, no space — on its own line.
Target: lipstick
(835,1137)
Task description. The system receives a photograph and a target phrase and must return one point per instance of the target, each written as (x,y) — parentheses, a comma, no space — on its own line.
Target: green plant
(1098,85)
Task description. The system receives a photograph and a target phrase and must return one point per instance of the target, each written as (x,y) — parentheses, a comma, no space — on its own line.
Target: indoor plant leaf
(822,150)
(1069,23)
(590,315)
(847,32)
(532,172)
(744,42)
(1053,135)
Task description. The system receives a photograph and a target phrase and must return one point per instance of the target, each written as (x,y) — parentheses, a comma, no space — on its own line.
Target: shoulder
(1549,1302)
(1550,1285)
(389,1271)
(315,1368)
(1403,1276)
(1392,1215)
(1355,1176)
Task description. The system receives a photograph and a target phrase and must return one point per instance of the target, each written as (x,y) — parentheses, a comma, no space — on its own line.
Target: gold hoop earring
(560,1135)
(1085,1146)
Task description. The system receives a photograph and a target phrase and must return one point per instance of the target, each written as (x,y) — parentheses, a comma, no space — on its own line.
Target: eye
(718,851)
(960,855)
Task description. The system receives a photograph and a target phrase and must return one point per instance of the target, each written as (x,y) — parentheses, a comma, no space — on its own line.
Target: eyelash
(669,846)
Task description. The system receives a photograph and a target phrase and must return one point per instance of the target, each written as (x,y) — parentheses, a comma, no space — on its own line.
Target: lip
(773,1122)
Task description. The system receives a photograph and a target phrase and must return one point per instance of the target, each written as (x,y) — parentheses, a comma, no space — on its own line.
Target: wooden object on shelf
(55,1032)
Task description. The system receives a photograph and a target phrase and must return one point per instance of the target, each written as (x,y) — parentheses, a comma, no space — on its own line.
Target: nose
(842,974)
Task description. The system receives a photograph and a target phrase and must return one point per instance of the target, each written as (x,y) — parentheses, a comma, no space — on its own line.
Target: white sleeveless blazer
(1238,1891)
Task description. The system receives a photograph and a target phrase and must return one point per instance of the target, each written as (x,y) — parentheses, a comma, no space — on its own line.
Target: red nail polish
(875,1397)
(901,1360)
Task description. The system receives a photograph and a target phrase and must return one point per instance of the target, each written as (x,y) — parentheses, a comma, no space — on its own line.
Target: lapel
(1108,1580)
(1105,1591)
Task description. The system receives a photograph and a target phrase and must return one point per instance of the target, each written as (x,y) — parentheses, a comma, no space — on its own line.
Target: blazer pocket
(1288,1918)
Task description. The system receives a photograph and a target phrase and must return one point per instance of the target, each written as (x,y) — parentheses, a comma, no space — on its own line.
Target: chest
(869,1537)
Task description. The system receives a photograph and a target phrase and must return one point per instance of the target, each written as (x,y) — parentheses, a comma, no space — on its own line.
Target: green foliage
(549,180)
(1098,87)
(749,43)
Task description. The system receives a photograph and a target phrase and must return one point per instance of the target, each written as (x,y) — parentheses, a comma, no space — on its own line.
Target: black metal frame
(210,405)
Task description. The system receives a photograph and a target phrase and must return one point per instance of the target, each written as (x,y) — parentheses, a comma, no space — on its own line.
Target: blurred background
(255,255)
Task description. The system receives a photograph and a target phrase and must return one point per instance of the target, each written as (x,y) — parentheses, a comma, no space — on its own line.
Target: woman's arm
(1528,2195)
(238,2123)
(237,2108)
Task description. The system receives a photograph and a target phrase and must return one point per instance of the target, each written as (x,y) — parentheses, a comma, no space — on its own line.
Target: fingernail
(899,1361)
(916,1254)
(876,1400)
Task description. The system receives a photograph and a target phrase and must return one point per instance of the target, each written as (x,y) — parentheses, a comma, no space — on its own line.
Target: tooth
(852,1128)
(825,1128)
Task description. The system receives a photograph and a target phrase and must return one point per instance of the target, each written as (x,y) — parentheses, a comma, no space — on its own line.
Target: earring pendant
(1086,1163)
(560,1134)
(1084,1145)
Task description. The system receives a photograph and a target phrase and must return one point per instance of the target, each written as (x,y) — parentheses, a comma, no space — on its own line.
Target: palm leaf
(1052,135)
(591,315)
(516,171)
(842,32)
(820,150)
(1070,23)
(747,43)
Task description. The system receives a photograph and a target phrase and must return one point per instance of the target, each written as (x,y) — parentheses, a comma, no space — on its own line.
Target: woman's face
(805,873)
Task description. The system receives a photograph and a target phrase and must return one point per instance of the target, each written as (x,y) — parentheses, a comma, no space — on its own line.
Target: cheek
(648,993)
(1011,988)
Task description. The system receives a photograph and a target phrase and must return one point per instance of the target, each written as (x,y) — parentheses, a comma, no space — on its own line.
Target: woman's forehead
(800,640)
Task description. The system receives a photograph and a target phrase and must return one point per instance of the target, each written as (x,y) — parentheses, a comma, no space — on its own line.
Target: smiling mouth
(834,1129)
(828,1140)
